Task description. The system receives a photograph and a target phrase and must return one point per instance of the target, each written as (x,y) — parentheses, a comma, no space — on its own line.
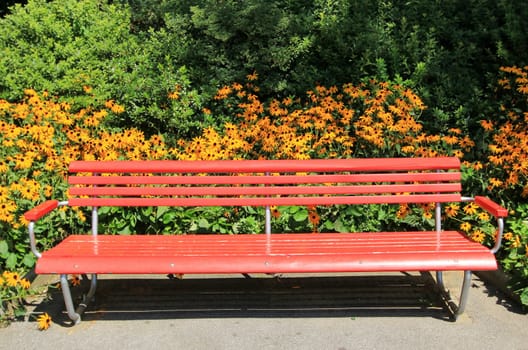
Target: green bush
(69,48)
(134,50)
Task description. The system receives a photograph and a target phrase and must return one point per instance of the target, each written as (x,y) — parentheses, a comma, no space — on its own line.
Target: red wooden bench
(264,183)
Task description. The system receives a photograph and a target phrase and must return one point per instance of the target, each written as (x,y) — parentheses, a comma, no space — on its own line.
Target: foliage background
(156,77)
(133,50)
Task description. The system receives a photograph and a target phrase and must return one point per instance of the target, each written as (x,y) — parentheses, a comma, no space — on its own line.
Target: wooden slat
(263,191)
(262,166)
(280,253)
(265,201)
(265,180)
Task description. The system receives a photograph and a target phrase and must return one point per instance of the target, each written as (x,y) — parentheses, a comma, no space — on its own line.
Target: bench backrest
(264,182)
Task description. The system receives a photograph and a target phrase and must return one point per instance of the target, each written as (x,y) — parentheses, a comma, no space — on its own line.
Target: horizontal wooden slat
(263,191)
(263,179)
(278,253)
(262,166)
(265,201)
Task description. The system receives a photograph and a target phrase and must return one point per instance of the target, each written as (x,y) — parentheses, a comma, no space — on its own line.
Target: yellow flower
(478,236)
(477,166)
(11,278)
(427,214)
(3,167)
(470,208)
(44,321)
(483,216)
(517,241)
(452,210)
(494,182)
(174,95)
(117,109)
(465,226)
(25,283)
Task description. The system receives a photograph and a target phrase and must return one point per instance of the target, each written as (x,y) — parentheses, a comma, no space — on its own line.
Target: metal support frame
(75,313)
(456,310)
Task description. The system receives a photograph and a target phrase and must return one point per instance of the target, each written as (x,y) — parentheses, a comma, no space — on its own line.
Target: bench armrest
(35,214)
(491,207)
(41,210)
(499,212)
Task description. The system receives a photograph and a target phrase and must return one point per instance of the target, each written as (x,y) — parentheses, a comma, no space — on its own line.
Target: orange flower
(313,217)
(75,280)
(487,125)
(252,77)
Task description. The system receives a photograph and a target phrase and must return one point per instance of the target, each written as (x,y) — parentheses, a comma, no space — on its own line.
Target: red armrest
(490,206)
(41,210)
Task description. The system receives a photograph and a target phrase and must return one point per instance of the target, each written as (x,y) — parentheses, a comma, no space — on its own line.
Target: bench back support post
(95,221)
(95,216)
(438,217)
(267,228)
(268,220)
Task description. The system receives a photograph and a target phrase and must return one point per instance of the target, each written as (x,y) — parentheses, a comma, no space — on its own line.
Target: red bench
(264,183)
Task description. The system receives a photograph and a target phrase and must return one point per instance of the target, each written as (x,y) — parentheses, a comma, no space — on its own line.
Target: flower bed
(41,135)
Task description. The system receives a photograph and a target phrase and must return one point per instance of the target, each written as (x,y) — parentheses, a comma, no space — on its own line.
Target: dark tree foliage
(5,4)
(448,51)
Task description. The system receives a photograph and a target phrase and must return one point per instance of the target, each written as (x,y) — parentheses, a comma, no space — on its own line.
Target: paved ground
(397,311)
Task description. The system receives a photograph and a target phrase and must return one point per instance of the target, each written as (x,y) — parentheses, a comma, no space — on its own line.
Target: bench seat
(277,253)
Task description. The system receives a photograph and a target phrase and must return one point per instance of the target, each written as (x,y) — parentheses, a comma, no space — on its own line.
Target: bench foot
(75,313)
(455,309)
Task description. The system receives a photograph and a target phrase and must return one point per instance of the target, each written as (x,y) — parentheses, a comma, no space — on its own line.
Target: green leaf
(125,230)
(29,260)
(340,227)
(20,311)
(524,297)
(168,218)
(161,211)
(300,216)
(4,249)
(203,223)
(11,261)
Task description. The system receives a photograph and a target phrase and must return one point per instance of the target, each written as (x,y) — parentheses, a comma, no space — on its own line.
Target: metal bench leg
(457,310)
(75,314)
(70,309)
(464,293)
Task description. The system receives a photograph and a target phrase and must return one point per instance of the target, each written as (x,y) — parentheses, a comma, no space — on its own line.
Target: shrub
(69,48)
